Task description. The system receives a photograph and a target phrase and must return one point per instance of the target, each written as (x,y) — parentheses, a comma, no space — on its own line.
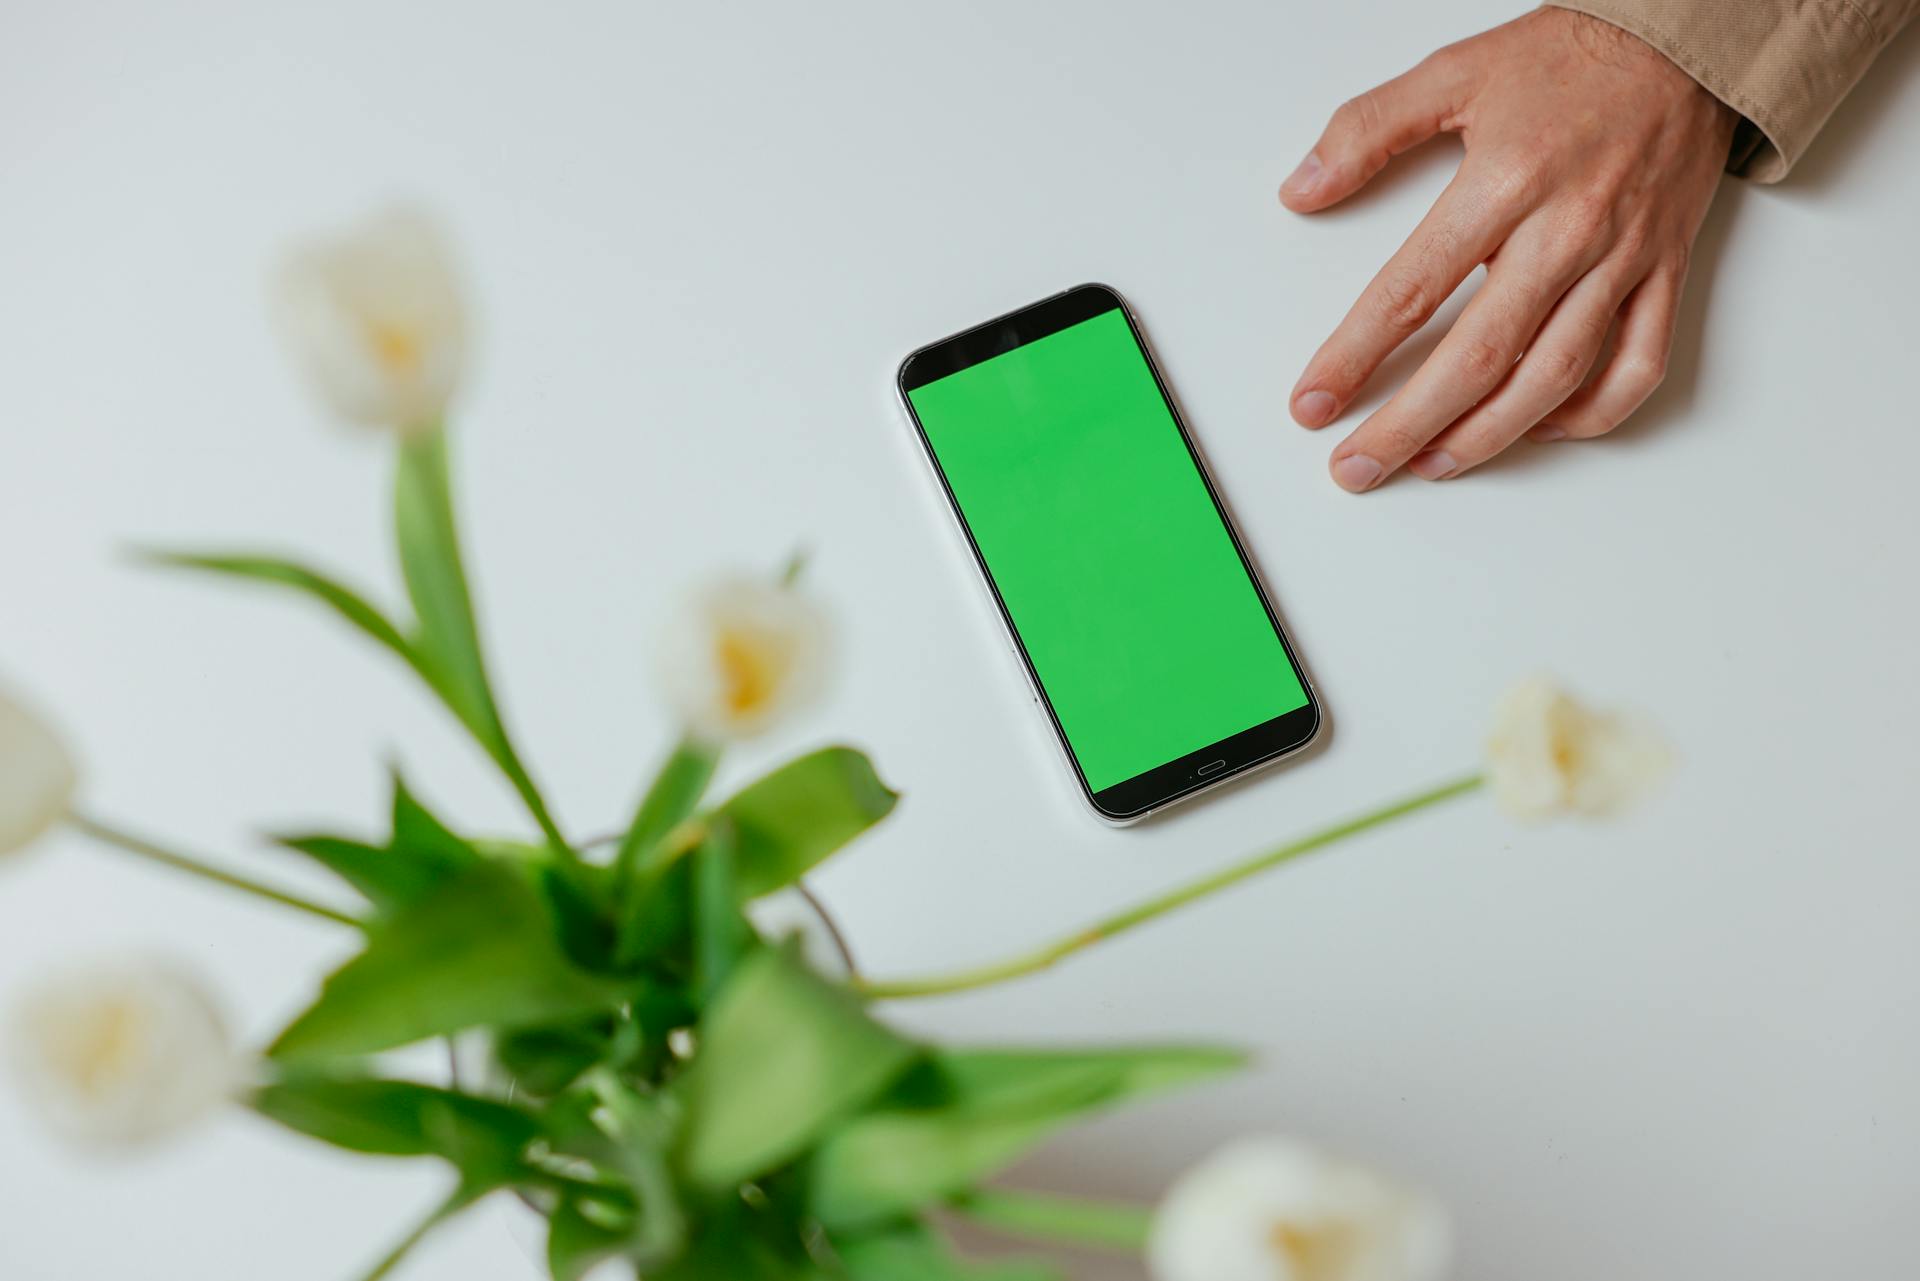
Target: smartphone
(1148,638)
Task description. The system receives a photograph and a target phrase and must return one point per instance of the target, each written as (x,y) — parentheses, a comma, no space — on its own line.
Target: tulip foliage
(665,1085)
(677,1089)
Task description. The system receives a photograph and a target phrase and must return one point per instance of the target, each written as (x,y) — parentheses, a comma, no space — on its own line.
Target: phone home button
(1213,767)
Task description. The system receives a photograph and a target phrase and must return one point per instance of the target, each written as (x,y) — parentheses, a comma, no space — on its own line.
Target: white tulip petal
(1279,1210)
(375,320)
(37,777)
(120,1053)
(742,655)
(1550,754)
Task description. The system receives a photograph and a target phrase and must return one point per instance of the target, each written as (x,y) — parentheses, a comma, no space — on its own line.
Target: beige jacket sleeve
(1782,64)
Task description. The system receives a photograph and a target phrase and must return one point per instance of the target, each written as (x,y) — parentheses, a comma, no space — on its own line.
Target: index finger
(1460,232)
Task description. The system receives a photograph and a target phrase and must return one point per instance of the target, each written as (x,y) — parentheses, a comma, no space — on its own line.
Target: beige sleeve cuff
(1782,64)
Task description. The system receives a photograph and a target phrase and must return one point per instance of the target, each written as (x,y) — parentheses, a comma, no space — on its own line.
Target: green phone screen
(1097,529)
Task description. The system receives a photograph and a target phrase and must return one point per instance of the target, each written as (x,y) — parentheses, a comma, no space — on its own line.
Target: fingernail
(1314,408)
(1303,180)
(1435,464)
(1545,433)
(1356,473)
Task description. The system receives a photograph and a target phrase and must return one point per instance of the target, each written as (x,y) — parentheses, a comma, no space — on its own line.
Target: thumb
(1370,130)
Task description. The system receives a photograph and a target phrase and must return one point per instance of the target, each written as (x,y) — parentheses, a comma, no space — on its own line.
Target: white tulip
(741,655)
(1278,1210)
(374,318)
(119,1053)
(1550,754)
(36,777)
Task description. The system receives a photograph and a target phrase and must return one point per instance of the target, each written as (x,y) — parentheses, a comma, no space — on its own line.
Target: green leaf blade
(721,934)
(672,797)
(912,1253)
(543,1061)
(421,855)
(967,1116)
(436,582)
(384,881)
(793,819)
(783,1056)
(577,1243)
(480,1137)
(478,952)
(449,637)
(1072,1221)
(279,572)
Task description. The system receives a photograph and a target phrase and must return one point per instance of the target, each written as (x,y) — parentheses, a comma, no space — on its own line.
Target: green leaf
(998,1077)
(1065,1220)
(386,881)
(479,951)
(449,637)
(421,855)
(278,572)
(783,825)
(578,1242)
(437,583)
(720,932)
(416,830)
(543,1061)
(783,1056)
(724,1254)
(790,821)
(576,898)
(676,790)
(914,1254)
(658,919)
(965,1116)
(483,1139)
(640,1130)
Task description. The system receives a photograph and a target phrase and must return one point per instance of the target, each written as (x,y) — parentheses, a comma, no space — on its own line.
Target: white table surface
(701,236)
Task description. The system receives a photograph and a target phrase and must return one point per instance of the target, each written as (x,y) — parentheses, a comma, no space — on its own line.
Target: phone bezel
(1185,776)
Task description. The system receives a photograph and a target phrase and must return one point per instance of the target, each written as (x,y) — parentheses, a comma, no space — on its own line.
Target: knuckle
(1632,241)
(1561,369)
(1641,375)
(1405,302)
(1482,361)
(1445,60)
(1588,217)
(1392,435)
(1396,444)
(1358,115)
(1515,181)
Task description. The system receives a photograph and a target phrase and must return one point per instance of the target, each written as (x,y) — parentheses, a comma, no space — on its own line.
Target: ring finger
(1555,364)
(1525,280)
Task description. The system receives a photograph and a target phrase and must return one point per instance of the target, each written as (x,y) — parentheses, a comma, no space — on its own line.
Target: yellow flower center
(101,1045)
(749,674)
(395,346)
(1310,1254)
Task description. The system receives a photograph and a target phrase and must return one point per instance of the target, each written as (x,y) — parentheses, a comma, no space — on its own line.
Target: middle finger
(1524,281)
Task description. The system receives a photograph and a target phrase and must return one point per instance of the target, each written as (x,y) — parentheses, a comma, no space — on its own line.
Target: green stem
(530,795)
(1104,1225)
(1045,957)
(676,790)
(145,849)
(796,565)
(459,1201)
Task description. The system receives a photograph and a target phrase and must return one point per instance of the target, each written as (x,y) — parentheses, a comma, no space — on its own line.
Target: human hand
(1590,162)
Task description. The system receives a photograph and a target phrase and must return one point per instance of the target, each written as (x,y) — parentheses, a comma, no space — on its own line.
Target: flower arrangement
(681,1078)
